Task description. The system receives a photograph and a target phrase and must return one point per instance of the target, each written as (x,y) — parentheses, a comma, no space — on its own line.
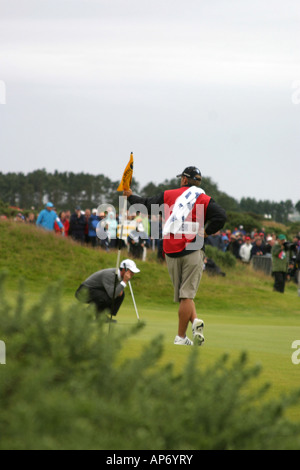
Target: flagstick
(125,183)
(118,259)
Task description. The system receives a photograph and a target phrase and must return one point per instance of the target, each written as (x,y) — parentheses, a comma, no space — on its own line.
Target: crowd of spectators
(96,230)
(243,245)
(284,255)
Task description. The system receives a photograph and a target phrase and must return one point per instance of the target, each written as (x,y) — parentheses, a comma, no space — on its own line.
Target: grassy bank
(41,258)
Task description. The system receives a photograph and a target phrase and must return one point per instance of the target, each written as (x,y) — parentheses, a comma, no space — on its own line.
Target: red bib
(177,243)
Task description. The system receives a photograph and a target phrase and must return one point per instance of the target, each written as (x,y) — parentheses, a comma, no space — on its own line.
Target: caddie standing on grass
(184,208)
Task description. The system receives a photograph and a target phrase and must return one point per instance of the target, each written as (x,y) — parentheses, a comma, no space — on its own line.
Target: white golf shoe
(183,341)
(197,328)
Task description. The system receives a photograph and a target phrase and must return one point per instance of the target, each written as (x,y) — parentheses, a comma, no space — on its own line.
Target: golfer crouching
(99,288)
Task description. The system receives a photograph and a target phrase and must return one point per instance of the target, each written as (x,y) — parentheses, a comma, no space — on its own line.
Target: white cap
(129,264)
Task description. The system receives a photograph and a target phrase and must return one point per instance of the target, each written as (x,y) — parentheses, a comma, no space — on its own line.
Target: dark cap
(191,172)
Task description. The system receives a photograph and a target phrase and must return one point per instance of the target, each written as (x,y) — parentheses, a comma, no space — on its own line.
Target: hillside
(41,258)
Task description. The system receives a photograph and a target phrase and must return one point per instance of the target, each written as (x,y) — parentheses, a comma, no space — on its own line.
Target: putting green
(267,341)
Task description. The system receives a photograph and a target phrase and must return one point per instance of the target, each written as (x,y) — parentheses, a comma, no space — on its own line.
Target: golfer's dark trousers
(100,298)
(279,282)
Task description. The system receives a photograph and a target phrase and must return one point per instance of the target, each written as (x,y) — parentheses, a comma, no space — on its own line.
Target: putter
(131,291)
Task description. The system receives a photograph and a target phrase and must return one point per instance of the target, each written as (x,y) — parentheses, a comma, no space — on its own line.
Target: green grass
(240,311)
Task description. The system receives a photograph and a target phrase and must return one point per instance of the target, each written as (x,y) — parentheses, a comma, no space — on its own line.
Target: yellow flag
(127,176)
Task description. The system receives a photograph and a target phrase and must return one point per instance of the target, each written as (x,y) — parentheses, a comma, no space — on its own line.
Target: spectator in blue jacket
(47,218)
(93,222)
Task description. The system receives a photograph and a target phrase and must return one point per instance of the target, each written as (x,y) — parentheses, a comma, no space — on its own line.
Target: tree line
(67,190)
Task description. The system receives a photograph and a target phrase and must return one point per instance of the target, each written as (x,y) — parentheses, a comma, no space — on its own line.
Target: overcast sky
(211,83)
